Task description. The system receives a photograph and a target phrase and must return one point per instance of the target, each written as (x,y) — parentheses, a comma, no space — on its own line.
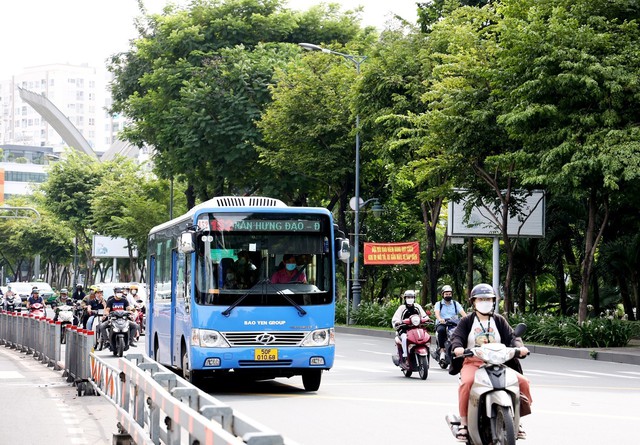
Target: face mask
(119,294)
(133,292)
(448,298)
(484,307)
(230,277)
(242,261)
(410,301)
(290,266)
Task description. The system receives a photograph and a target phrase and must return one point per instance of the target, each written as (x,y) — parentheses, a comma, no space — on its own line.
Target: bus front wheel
(311,379)
(188,374)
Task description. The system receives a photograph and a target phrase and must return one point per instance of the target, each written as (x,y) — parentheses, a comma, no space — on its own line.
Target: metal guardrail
(153,405)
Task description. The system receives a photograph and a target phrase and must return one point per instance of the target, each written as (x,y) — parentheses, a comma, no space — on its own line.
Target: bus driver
(289,273)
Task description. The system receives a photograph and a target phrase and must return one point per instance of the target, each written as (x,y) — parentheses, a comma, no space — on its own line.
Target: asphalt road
(364,399)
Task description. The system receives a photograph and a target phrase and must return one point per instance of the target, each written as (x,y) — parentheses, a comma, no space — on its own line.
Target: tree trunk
(560,283)
(430,216)
(469,267)
(592,239)
(627,303)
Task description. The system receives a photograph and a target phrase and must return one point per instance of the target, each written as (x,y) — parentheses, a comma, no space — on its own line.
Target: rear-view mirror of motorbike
(520,329)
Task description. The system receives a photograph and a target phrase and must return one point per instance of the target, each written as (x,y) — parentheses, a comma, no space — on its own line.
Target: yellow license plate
(266,354)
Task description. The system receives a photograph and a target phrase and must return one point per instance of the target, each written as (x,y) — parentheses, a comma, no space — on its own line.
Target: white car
(107,290)
(24,288)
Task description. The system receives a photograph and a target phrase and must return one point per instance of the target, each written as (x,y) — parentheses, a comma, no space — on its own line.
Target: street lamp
(357,61)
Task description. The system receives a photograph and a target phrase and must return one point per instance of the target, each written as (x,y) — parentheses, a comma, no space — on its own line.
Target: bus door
(180,321)
(174,308)
(151,295)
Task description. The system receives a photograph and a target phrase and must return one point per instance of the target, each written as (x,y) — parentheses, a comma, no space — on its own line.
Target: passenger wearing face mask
(290,272)
(404,311)
(480,327)
(446,309)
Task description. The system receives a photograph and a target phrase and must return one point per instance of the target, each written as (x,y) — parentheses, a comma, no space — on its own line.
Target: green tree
(570,86)
(125,204)
(196,80)
(68,192)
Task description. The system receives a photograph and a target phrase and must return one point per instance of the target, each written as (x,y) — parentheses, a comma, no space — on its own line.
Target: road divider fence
(153,404)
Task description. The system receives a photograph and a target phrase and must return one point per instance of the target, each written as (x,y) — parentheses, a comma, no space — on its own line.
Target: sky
(40,32)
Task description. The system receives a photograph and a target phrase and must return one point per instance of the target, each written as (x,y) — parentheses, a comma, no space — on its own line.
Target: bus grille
(242,201)
(252,363)
(264,338)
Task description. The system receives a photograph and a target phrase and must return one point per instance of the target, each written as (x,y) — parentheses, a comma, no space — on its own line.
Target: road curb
(629,355)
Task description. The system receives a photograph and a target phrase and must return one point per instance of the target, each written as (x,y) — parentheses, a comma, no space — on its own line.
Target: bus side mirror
(187,242)
(343,249)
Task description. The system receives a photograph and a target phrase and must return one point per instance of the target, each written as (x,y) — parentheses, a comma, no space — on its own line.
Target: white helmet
(409,295)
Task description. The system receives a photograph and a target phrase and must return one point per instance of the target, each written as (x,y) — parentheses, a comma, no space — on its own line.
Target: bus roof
(223,202)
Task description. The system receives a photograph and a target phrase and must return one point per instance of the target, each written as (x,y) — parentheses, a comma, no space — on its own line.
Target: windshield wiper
(228,310)
(266,282)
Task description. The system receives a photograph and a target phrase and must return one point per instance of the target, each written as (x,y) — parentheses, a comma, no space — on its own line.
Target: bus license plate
(266,354)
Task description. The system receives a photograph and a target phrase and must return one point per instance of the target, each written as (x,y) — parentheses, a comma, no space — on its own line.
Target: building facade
(79,92)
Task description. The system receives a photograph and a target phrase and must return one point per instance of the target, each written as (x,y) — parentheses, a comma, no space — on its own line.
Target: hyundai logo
(266,339)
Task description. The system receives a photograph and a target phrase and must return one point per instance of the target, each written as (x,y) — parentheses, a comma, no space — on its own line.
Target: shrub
(602,332)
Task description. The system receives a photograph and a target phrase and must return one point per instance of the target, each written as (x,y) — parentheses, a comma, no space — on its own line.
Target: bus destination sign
(264,225)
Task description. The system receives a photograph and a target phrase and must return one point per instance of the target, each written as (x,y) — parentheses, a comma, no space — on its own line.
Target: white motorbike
(11,303)
(494,402)
(65,315)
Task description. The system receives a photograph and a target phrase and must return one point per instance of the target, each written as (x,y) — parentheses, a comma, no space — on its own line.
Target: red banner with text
(392,253)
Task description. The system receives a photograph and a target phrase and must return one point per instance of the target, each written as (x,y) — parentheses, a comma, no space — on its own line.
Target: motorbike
(37,310)
(94,320)
(494,401)
(418,345)
(12,303)
(445,360)
(140,315)
(119,332)
(65,315)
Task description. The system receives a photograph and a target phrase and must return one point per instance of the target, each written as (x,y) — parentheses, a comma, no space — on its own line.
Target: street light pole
(356,289)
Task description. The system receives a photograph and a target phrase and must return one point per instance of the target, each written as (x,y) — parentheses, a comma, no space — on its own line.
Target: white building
(79,92)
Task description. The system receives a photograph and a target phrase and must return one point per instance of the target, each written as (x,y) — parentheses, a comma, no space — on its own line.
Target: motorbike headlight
(208,339)
(320,337)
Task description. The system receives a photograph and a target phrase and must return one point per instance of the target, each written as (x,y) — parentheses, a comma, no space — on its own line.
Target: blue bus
(218,302)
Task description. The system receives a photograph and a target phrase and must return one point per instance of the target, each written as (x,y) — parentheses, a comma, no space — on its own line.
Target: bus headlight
(208,339)
(320,337)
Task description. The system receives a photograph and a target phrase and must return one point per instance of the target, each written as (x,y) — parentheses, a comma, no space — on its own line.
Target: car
(24,288)
(107,289)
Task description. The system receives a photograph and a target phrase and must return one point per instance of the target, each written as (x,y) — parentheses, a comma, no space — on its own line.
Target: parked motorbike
(418,344)
(65,315)
(494,401)
(11,303)
(37,310)
(445,360)
(119,331)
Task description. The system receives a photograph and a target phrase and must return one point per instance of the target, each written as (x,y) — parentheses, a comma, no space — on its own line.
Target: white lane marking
(71,421)
(355,368)
(630,372)
(375,352)
(557,373)
(10,375)
(604,374)
(78,440)
(75,430)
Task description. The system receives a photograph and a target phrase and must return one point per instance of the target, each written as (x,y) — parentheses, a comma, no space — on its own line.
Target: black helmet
(482,290)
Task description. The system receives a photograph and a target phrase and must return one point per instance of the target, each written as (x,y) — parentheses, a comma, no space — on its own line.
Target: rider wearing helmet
(404,311)
(446,309)
(34,298)
(480,327)
(118,302)
(78,294)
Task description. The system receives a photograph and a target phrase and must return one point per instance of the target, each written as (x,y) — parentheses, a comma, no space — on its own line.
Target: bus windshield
(258,259)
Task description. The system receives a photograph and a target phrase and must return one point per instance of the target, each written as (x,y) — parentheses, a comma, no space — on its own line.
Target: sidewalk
(629,354)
